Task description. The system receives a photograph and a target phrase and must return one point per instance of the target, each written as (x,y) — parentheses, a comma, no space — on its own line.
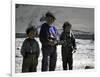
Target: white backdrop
(5,38)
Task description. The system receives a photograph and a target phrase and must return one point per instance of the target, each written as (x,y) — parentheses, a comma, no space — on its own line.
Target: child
(48,44)
(30,51)
(68,45)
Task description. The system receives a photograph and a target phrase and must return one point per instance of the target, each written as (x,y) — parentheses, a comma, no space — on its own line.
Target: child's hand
(52,42)
(74,50)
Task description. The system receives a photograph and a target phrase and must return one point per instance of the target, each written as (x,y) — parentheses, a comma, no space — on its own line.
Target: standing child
(48,41)
(30,51)
(68,46)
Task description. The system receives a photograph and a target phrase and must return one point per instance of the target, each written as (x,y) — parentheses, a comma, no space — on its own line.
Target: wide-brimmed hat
(49,14)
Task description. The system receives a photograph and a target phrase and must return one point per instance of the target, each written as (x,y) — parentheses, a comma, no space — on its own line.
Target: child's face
(31,34)
(67,29)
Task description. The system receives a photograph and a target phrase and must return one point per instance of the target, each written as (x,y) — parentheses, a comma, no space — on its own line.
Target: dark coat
(30,46)
(68,40)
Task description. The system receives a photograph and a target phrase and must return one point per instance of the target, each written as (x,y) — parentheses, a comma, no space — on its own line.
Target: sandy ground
(81,59)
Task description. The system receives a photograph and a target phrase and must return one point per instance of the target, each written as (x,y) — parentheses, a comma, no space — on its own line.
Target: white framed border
(45,74)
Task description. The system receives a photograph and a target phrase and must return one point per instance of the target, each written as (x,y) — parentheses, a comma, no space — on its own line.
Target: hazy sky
(80,18)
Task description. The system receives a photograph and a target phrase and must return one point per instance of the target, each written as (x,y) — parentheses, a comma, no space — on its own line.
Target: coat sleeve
(73,41)
(61,36)
(43,35)
(23,48)
(62,39)
(38,51)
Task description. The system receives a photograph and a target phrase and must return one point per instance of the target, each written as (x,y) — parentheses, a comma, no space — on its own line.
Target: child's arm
(61,36)
(43,35)
(62,40)
(23,48)
(38,51)
(74,44)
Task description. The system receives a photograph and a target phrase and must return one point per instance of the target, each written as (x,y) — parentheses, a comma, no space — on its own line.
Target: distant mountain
(20,35)
(77,33)
(81,34)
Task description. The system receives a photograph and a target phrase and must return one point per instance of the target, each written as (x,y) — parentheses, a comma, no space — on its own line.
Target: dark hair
(49,14)
(29,29)
(66,24)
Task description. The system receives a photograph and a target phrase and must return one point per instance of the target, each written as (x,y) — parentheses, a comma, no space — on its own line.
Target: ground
(83,58)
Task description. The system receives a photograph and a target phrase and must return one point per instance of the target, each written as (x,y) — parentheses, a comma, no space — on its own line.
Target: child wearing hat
(30,51)
(68,46)
(48,41)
